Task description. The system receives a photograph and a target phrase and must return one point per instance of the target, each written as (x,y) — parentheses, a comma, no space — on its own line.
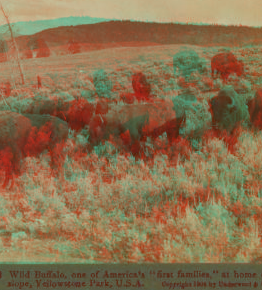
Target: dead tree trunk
(14,43)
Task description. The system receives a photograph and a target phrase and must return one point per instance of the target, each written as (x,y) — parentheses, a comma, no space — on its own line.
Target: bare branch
(14,43)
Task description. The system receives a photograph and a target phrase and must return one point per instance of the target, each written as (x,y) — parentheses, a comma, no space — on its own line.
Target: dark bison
(42,106)
(14,131)
(76,113)
(140,120)
(228,112)
(47,131)
(255,109)
(227,109)
(141,86)
(101,127)
(29,135)
(221,107)
(225,64)
(59,127)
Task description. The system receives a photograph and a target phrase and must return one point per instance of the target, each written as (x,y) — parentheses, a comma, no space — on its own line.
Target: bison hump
(13,126)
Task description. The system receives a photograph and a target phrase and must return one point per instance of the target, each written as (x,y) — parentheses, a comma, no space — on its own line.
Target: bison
(76,113)
(140,120)
(48,133)
(101,127)
(227,109)
(228,112)
(14,131)
(141,86)
(255,109)
(225,64)
(42,106)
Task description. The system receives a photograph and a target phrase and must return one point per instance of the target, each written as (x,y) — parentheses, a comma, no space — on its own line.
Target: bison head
(221,108)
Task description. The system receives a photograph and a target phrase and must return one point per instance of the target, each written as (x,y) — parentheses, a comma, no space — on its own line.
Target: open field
(201,204)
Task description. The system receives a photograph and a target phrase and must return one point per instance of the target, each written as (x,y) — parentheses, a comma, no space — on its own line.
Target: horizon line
(138,20)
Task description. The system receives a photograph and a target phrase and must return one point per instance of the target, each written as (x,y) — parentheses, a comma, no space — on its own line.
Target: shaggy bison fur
(227,109)
(29,135)
(47,133)
(140,120)
(255,109)
(225,64)
(228,112)
(76,113)
(14,130)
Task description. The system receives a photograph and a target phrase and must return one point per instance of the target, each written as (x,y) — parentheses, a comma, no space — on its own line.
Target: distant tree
(73,47)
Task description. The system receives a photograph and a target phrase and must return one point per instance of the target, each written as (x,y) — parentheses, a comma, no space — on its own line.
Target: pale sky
(244,12)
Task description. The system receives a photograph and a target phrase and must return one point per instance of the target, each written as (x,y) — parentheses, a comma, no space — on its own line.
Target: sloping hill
(160,33)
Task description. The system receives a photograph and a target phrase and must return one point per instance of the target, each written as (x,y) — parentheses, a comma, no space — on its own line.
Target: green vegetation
(194,202)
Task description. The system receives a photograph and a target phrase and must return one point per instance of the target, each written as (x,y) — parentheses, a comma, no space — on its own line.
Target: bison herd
(45,124)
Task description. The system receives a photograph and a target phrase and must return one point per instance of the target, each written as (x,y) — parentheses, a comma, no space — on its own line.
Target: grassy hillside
(160,33)
(198,202)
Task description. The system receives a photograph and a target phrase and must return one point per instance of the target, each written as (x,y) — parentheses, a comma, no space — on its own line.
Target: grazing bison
(42,106)
(187,62)
(76,113)
(47,133)
(140,120)
(101,127)
(141,86)
(14,131)
(225,64)
(255,109)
